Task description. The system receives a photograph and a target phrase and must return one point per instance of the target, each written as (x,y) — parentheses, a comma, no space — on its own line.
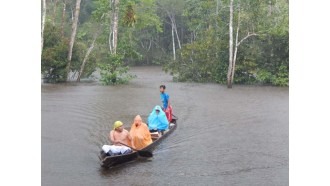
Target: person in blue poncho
(157,120)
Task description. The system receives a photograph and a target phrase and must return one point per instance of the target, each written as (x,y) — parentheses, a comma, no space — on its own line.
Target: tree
(43,23)
(144,32)
(63,18)
(53,58)
(91,47)
(115,16)
(73,35)
(230,66)
(172,9)
(233,53)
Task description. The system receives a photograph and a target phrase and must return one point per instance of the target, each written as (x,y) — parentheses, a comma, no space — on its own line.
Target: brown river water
(237,136)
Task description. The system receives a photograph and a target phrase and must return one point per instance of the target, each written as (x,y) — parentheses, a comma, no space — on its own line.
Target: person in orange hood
(140,133)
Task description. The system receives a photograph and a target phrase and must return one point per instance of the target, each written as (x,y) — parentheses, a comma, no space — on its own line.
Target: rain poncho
(140,134)
(157,121)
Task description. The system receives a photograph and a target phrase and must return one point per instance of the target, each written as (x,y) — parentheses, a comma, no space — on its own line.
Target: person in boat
(165,98)
(140,134)
(118,136)
(157,120)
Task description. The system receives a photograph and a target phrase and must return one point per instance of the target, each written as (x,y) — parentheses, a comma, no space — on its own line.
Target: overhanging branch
(248,35)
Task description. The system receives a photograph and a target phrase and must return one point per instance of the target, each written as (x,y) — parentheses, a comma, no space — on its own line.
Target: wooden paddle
(142,153)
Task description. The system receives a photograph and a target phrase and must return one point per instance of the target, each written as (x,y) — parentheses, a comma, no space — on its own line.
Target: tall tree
(43,23)
(230,66)
(63,18)
(89,50)
(173,42)
(115,25)
(73,35)
(233,53)
(172,9)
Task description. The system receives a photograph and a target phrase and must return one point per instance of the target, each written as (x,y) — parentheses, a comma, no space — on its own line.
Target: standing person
(141,136)
(118,136)
(165,98)
(157,120)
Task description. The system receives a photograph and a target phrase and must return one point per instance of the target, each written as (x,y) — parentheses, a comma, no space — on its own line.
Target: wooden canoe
(110,161)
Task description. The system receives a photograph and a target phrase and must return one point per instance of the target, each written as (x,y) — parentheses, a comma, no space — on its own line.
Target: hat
(117,124)
(157,107)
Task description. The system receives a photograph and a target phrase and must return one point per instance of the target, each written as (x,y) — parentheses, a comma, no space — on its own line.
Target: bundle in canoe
(110,161)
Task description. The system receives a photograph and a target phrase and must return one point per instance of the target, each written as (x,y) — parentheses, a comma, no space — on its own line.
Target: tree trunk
(63,18)
(115,25)
(217,27)
(82,67)
(73,35)
(172,19)
(230,67)
(110,29)
(85,59)
(233,55)
(174,56)
(110,40)
(236,43)
(176,33)
(43,23)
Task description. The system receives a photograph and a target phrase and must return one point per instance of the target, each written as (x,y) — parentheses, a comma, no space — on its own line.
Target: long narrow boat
(110,161)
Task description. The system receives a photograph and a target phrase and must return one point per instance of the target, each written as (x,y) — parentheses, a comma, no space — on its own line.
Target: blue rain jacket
(157,121)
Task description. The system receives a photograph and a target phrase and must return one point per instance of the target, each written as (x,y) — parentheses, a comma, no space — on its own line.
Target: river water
(236,136)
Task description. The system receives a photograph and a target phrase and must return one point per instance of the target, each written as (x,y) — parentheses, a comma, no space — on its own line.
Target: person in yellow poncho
(140,133)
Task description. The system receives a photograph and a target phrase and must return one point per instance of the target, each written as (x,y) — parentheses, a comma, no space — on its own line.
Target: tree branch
(253,34)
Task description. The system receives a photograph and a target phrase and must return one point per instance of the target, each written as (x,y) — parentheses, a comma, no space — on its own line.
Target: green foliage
(245,71)
(130,16)
(200,14)
(113,72)
(101,7)
(54,55)
(197,62)
(282,77)
(86,8)
(145,38)
(264,77)
(263,59)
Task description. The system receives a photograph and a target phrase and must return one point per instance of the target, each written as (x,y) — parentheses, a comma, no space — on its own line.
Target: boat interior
(155,135)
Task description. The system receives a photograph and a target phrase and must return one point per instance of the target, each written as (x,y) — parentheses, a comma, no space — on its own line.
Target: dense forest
(223,41)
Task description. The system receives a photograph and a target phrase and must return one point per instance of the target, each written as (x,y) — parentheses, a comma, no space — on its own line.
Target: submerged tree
(233,53)
(73,35)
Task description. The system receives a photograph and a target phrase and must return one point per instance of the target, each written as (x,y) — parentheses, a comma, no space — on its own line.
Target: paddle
(142,153)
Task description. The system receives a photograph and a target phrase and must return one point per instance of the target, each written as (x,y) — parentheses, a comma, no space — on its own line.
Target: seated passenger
(140,134)
(117,136)
(157,120)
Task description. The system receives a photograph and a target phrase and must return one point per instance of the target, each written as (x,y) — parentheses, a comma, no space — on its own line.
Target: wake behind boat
(110,161)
